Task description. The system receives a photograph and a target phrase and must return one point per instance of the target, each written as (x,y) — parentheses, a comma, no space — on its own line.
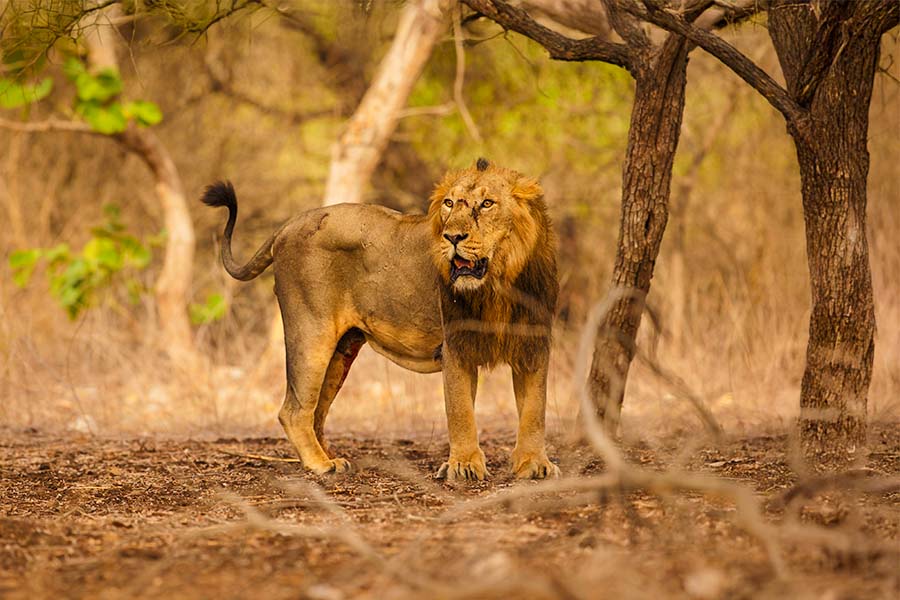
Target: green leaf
(212,310)
(144,112)
(14,95)
(136,254)
(13,59)
(107,120)
(73,68)
(100,87)
(112,211)
(22,263)
(57,254)
(105,253)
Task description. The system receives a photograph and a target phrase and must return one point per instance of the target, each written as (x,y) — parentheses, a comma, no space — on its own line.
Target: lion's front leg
(466,459)
(529,458)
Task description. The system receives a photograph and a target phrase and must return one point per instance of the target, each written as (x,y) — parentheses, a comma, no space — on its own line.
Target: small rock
(704,583)
(323,591)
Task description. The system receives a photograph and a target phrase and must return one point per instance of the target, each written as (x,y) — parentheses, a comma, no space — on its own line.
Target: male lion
(472,283)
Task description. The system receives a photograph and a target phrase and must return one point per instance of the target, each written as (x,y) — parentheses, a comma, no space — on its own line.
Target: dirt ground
(112,518)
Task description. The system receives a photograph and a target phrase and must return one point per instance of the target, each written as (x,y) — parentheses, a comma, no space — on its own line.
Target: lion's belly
(412,345)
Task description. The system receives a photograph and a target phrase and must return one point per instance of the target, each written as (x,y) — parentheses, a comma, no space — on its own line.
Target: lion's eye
(448,202)
(487,204)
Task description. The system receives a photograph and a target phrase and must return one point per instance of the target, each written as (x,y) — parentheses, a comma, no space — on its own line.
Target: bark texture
(829,58)
(356,154)
(646,177)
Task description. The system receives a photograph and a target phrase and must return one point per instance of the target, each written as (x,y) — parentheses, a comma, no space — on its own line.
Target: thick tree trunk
(356,154)
(172,288)
(834,165)
(647,173)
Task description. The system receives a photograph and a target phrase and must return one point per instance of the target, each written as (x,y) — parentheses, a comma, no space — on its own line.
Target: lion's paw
(535,466)
(473,468)
(334,466)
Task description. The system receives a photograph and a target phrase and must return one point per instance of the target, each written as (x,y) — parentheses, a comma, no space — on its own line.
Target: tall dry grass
(731,291)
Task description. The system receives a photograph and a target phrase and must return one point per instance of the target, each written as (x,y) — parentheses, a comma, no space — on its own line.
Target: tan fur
(347,275)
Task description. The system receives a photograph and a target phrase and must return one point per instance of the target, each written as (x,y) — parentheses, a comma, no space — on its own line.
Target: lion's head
(487,221)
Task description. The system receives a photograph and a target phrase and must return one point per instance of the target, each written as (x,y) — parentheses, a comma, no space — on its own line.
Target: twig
(259,456)
(48,125)
(861,479)
(683,389)
(439,110)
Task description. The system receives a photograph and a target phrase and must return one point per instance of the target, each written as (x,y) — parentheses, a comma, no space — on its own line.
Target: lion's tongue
(462,262)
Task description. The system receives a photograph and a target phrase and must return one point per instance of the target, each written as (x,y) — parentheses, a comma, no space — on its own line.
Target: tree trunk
(356,154)
(834,165)
(172,288)
(647,173)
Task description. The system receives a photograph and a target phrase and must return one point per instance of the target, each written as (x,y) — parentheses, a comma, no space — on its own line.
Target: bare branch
(722,14)
(48,125)
(626,26)
(743,67)
(439,110)
(559,46)
(587,16)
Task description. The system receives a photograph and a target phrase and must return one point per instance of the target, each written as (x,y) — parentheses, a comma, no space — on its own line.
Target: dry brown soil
(110,518)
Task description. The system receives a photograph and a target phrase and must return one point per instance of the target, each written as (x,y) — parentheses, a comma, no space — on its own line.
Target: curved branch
(559,46)
(743,67)
(626,26)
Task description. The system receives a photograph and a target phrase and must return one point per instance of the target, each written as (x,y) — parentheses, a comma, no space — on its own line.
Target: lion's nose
(455,239)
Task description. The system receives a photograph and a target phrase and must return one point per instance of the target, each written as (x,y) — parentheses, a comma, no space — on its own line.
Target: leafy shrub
(212,310)
(76,278)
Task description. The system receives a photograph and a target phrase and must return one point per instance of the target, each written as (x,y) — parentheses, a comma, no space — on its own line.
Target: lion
(473,283)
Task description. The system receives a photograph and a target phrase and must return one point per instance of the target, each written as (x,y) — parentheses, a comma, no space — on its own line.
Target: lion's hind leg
(310,347)
(347,349)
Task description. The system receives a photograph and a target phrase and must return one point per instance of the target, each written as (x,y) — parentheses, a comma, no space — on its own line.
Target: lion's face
(485,227)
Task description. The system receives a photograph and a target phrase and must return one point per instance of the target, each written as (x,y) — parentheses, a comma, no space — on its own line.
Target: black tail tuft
(221,193)
(482,164)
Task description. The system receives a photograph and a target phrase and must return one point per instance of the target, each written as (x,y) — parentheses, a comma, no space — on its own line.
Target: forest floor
(111,518)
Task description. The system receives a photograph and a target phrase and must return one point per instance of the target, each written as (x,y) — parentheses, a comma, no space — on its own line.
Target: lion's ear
(526,189)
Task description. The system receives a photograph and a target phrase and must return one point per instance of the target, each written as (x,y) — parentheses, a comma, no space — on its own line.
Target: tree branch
(48,125)
(742,66)
(823,53)
(559,46)
(626,26)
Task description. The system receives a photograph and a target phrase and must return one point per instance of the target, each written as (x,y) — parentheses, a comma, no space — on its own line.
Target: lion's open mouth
(463,267)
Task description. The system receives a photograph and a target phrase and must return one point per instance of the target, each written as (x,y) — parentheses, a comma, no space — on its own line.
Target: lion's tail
(222,194)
